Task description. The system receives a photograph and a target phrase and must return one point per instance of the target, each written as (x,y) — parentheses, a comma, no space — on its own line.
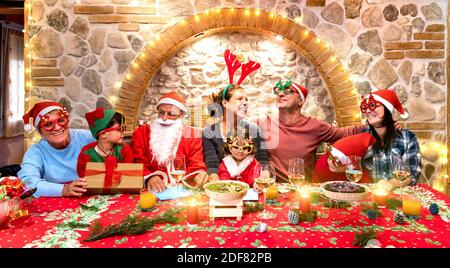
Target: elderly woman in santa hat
(50,164)
(393,145)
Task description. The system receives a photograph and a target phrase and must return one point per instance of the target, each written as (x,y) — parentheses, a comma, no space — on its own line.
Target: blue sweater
(48,168)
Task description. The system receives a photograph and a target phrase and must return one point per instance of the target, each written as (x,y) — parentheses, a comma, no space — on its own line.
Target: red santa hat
(302,91)
(389,99)
(352,145)
(39,110)
(175,99)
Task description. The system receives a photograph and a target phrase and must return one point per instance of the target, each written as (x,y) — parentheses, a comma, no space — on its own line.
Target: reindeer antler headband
(233,65)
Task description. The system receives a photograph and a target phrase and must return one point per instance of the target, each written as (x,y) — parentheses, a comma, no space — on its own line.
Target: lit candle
(305,202)
(193,213)
(380,197)
(411,206)
(147,199)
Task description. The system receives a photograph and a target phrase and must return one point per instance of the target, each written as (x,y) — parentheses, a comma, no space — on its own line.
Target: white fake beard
(164,140)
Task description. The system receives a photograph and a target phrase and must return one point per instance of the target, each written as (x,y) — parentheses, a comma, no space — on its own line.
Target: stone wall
(200,70)
(81,50)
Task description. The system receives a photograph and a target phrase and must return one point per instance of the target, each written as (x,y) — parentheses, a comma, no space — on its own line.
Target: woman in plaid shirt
(392,144)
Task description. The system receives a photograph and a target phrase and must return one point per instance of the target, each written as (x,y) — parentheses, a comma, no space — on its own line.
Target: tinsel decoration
(399,218)
(302,216)
(293,217)
(434,209)
(372,212)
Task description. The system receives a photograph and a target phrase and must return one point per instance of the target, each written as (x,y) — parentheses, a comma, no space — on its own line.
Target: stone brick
(429,36)
(129,27)
(108,19)
(394,55)
(434,54)
(48,82)
(45,72)
(423,135)
(434,45)
(435,28)
(121,2)
(425,126)
(402,45)
(148,19)
(150,10)
(93,9)
(43,63)
(315,3)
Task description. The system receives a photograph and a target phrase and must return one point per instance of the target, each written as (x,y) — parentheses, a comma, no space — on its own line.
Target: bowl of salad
(226,190)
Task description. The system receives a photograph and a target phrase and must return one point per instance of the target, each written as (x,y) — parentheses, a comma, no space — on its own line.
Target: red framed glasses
(121,128)
(48,125)
(369,104)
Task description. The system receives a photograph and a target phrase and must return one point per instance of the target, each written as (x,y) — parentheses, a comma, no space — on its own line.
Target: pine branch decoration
(132,224)
(250,207)
(393,203)
(362,238)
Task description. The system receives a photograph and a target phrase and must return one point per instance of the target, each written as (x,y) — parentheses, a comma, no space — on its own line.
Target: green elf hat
(99,119)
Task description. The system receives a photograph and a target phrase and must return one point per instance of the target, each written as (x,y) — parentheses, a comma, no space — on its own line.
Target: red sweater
(299,139)
(247,176)
(190,146)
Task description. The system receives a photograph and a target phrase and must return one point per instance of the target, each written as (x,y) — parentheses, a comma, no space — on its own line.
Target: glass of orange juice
(147,199)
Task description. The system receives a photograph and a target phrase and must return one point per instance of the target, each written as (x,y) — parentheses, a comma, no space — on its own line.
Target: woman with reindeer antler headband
(230,105)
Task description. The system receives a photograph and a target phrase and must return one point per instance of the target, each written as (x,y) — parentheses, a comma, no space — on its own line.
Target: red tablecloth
(334,228)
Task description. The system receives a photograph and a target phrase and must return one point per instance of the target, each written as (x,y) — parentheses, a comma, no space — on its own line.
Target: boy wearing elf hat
(391,144)
(157,143)
(107,126)
(50,164)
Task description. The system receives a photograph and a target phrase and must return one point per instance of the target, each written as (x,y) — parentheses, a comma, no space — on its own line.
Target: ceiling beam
(11,10)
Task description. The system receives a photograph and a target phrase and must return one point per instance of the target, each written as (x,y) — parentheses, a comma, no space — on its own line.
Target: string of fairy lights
(250,13)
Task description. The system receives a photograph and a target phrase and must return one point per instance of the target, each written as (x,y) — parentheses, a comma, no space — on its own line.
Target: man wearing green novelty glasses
(290,134)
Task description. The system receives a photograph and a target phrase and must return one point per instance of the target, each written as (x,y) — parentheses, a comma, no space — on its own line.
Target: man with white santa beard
(156,144)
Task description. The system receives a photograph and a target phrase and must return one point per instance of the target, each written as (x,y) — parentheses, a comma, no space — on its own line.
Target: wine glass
(265,178)
(296,172)
(353,170)
(400,171)
(177,171)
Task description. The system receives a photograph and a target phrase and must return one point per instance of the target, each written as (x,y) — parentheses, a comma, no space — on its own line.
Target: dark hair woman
(230,105)
(392,145)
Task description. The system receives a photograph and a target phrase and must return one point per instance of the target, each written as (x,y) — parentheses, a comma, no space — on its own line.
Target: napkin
(173,192)
(251,195)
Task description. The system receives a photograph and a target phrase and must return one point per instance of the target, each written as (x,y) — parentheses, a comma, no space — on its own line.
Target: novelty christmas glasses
(48,125)
(285,88)
(246,147)
(369,104)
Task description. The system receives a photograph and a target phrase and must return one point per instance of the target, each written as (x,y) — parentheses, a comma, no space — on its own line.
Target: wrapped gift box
(125,178)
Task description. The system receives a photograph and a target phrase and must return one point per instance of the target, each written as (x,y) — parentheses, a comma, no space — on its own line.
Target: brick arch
(218,20)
